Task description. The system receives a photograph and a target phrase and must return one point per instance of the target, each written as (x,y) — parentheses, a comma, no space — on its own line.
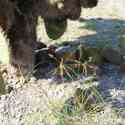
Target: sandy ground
(36,102)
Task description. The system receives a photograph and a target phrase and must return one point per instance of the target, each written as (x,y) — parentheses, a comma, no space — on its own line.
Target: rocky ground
(41,101)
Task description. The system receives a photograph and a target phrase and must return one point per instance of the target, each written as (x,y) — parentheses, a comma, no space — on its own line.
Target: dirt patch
(40,101)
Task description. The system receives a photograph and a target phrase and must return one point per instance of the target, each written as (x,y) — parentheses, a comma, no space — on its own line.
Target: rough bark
(18,18)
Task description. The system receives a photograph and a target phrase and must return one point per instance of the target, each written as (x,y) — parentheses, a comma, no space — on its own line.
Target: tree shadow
(106,32)
(112,85)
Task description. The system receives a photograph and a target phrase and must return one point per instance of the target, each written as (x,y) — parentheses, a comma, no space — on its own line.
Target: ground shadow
(107,32)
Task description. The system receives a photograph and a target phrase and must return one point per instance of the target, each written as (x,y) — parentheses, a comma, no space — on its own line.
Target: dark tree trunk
(22,38)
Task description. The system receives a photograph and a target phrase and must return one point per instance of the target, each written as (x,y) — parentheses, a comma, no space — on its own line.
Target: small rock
(112,55)
(3,97)
(122,67)
(9,89)
(95,54)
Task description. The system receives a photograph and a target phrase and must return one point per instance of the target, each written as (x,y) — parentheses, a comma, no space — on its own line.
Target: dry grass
(62,112)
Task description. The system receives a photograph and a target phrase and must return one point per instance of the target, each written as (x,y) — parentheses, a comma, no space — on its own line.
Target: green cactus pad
(55,28)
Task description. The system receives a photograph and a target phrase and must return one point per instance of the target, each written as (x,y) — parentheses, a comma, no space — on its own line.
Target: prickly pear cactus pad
(55,27)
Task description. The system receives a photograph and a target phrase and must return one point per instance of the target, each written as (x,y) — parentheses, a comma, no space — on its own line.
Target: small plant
(85,104)
(2,85)
(81,61)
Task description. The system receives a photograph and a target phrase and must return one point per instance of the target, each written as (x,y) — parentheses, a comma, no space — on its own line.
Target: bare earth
(36,102)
